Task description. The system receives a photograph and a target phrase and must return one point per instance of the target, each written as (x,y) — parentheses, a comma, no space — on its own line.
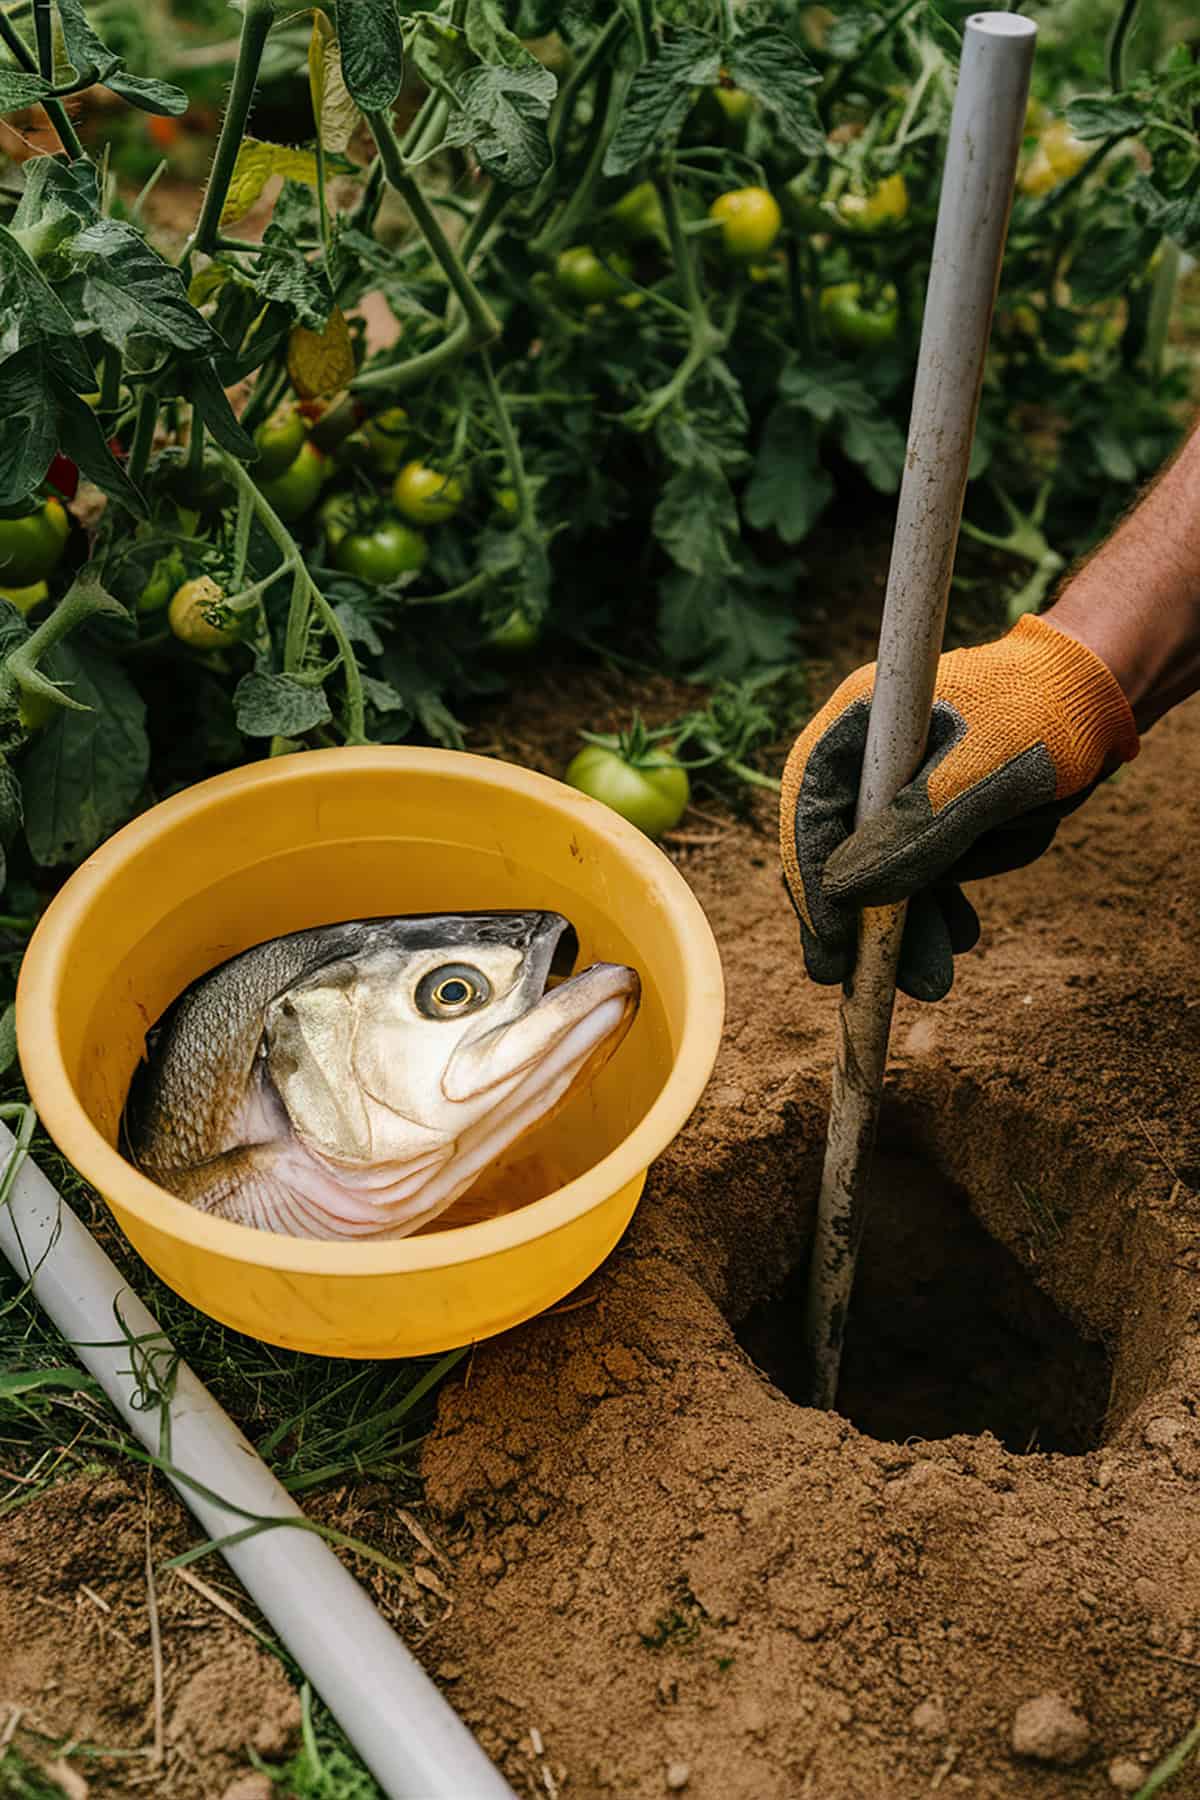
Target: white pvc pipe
(986,128)
(405,1732)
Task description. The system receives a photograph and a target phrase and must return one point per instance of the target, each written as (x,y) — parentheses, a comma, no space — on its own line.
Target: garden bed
(653,1557)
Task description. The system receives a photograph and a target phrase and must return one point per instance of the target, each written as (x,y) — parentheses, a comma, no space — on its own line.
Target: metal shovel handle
(977,190)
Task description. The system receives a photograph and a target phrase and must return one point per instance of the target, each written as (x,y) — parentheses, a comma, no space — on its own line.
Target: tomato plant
(641,302)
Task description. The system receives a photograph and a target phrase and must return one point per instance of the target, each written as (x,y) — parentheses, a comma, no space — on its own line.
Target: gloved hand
(1022,731)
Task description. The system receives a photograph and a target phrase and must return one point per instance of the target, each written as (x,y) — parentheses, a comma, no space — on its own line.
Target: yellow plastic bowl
(342,834)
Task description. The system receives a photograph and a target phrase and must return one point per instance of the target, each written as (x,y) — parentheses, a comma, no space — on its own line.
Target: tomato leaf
(284,274)
(490,38)
(832,394)
(30,435)
(337,117)
(321,362)
(1105,115)
(81,437)
(372,52)
(131,292)
(19,89)
(1107,259)
(212,404)
(31,313)
(256,163)
(714,627)
(695,515)
(660,98)
(278,706)
(846,34)
(83,775)
(503,118)
(790,487)
(768,65)
(90,57)
(876,443)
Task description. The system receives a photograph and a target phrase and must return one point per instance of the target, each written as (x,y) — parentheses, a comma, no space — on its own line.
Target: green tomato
(378,554)
(194,615)
(886,205)
(734,102)
(856,323)
(652,794)
(31,547)
(165,578)
(638,214)
(426,496)
(293,493)
(507,502)
(749,219)
(387,437)
(280,440)
(337,516)
(582,277)
(204,490)
(515,634)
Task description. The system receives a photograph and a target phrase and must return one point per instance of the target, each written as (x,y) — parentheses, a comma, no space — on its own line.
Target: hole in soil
(947,1331)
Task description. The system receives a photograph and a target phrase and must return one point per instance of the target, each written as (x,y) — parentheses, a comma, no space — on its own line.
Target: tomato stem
(482,322)
(143,435)
(306,595)
(56,112)
(21,671)
(510,442)
(257,18)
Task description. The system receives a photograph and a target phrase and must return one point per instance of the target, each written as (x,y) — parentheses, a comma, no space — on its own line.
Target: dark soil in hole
(947,1331)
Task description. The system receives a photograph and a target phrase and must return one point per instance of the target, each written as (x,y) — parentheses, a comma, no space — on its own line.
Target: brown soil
(669,1576)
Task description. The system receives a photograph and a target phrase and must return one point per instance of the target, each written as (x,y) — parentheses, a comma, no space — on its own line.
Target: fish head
(438,1042)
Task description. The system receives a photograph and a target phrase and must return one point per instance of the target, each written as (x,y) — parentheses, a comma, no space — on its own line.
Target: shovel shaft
(976,198)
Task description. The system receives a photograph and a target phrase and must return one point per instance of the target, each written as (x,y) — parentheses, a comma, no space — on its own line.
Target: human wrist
(1153,651)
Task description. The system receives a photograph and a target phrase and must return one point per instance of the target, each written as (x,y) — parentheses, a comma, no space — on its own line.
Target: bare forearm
(1136,601)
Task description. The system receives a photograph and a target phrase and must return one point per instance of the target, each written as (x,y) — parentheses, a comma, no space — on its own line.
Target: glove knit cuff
(1086,689)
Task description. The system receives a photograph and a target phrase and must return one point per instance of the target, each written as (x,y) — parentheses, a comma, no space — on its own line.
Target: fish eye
(451,991)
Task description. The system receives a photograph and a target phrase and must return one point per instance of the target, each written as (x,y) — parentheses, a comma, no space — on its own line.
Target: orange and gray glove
(1022,731)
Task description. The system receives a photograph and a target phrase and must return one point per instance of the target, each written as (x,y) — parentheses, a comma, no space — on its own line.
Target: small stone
(1159,1433)
(252,1786)
(678,1776)
(449,1671)
(1126,1775)
(929,1718)
(491,1563)
(1050,1731)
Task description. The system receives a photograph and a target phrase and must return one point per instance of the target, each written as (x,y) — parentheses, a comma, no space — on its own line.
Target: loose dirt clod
(929,1719)
(678,1776)
(1050,1731)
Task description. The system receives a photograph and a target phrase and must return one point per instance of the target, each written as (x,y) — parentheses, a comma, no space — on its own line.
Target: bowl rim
(45,969)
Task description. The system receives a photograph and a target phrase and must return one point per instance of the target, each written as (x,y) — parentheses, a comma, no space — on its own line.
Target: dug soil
(662,1571)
